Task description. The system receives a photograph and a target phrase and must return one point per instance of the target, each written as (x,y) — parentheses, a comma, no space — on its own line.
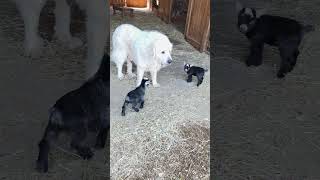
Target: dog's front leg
(140,73)
(256,49)
(154,78)
(30,12)
(97,33)
(62,27)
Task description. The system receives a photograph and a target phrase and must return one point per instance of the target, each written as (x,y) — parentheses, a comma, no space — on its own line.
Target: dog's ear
(239,6)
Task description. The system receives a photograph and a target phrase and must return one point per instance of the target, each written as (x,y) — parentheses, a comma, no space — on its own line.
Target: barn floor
(169,138)
(29,87)
(265,128)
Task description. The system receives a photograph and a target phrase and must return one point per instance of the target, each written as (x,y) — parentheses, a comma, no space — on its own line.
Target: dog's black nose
(169,61)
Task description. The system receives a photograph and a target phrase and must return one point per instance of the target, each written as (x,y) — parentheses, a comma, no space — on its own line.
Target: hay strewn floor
(169,138)
(265,128)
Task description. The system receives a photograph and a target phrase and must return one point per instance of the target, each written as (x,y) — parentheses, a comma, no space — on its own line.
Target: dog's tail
(307,28)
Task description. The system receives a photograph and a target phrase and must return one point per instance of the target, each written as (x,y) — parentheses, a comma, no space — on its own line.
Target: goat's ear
(261,12)
(239,6)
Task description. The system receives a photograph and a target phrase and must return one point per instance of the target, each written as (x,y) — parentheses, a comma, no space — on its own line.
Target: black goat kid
(194,71)
(282,32)
(136,97)
(80,111)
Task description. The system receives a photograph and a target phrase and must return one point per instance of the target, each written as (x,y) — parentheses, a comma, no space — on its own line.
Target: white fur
(97,27)
(149,50)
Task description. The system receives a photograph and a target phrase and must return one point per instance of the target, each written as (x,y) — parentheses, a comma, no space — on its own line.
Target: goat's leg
(134,107)
(103,130)
(101,138)
(293,61)
(285,65)
(141,104)
(50,133)
(256,50)
(200,79)
(189,79)
(125,104)
(77,139)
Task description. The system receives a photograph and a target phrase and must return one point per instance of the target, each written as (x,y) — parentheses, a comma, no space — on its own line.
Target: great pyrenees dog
(97,12)
(149,50)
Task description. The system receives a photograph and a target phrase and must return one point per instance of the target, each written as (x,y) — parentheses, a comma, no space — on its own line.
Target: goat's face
(246,19)
(145,82)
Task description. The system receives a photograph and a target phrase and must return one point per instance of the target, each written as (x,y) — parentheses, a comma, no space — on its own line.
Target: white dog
(149,50)
(96,26)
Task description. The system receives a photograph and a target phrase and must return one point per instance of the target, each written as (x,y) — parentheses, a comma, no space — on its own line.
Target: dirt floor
(29,87)
(263,127)
(169,138)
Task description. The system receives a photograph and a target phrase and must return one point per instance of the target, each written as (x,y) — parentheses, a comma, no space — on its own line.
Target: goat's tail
(308,28)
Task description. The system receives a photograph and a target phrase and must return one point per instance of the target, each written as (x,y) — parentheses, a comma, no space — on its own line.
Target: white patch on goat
(248,11)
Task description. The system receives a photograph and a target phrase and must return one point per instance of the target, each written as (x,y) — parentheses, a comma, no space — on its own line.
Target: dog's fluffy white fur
(96,26)
(149,50)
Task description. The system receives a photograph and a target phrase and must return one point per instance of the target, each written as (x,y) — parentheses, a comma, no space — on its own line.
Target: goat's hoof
(85,153)
(123,113)
(280,75)
(100,145)
(42,166)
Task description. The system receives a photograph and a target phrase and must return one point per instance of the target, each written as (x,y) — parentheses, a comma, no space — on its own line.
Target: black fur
(135,97)
(282,32)
(78,112)
(194,71)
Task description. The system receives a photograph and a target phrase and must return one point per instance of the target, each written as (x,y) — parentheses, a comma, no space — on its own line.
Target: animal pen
(191,17)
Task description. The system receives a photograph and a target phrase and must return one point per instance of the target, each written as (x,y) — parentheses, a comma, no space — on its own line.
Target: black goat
(194,71)
(136,97)
(282,32)
(80,111)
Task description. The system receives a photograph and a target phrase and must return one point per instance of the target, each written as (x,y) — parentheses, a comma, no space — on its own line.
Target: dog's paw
(74,42)
(156,85)
(34,48)
(67,40)
(131,75)
(120,76)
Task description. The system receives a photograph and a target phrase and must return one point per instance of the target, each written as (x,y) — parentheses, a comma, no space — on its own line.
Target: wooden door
(164,10)
(198,24)
(137,3)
